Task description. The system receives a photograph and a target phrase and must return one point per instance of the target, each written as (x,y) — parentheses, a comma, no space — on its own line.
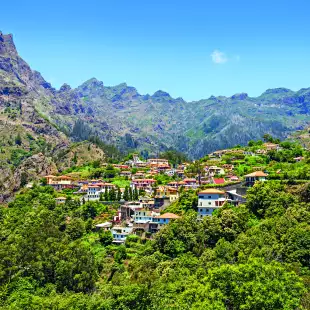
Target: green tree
(126,194)
(268,199)
(18,139)
(23,179)
(105,238)
(135,194)
(112,194)
(253,286)
(130,192)
(106,195)
(120,254)
(119,194)
(75,157)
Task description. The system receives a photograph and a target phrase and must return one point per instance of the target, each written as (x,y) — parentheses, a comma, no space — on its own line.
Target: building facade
(210,200)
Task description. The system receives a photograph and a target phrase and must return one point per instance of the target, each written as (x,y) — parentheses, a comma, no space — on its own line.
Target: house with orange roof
(179,173)
(125,173)
(139,175)
(120,166)
(59,182)
(156,162)
(163,167)
(228,167)
(209,200)
(271,146)
(50,179)
(190,183)
(143,184)
(162,220)
(261,151)
(253,177)
(167,191)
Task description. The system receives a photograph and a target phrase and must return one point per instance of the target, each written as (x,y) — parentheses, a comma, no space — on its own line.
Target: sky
(190,49)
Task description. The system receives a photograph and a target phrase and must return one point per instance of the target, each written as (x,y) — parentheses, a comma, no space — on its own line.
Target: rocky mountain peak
(64,88)
(91,87)
(280,90)
(92,83)
(161,94)
(241,96)
(7,45)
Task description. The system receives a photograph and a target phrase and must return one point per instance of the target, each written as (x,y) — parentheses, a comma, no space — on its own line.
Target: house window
(201,210)
(207,210)
(209,203)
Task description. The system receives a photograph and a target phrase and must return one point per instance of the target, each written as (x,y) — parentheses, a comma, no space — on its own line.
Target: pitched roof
(64,177)
(143,180)
(168,216)
(257,174)
(219,181)
(211,191)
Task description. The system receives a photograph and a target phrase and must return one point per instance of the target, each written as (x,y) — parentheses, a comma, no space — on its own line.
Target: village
(142,202)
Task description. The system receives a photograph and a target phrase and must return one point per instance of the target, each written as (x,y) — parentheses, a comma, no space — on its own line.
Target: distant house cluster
(215,184)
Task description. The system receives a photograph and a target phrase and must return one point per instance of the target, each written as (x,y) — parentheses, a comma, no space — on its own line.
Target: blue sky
(191,49)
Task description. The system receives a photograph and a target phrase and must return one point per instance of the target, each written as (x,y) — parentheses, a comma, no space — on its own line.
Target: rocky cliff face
(31,146)
(15,73)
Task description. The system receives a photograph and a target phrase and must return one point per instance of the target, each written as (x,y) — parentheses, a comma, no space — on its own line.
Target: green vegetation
(81,131)
(254,256)
(121,182)
(175,158)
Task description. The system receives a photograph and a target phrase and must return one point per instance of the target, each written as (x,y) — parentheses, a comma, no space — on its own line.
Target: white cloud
(218,57)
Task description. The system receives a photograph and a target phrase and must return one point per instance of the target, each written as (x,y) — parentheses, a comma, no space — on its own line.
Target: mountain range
(121,116)
(48,120)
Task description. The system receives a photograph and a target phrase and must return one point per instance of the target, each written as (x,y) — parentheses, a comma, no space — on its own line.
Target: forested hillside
(255,256)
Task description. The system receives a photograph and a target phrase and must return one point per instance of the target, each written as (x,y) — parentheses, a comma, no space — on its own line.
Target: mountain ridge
(120,115)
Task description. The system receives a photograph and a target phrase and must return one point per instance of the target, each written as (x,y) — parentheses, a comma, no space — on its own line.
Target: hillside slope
(30,145)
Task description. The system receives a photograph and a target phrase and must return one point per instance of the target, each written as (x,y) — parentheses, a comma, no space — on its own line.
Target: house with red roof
(218,181)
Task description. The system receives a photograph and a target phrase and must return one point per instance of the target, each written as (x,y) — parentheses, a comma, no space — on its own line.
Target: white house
(60,200)
(251,178)
(94,190)
(120,233)
(105,226)
(214,170)
(144,216)
(158,161)
(209,200)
